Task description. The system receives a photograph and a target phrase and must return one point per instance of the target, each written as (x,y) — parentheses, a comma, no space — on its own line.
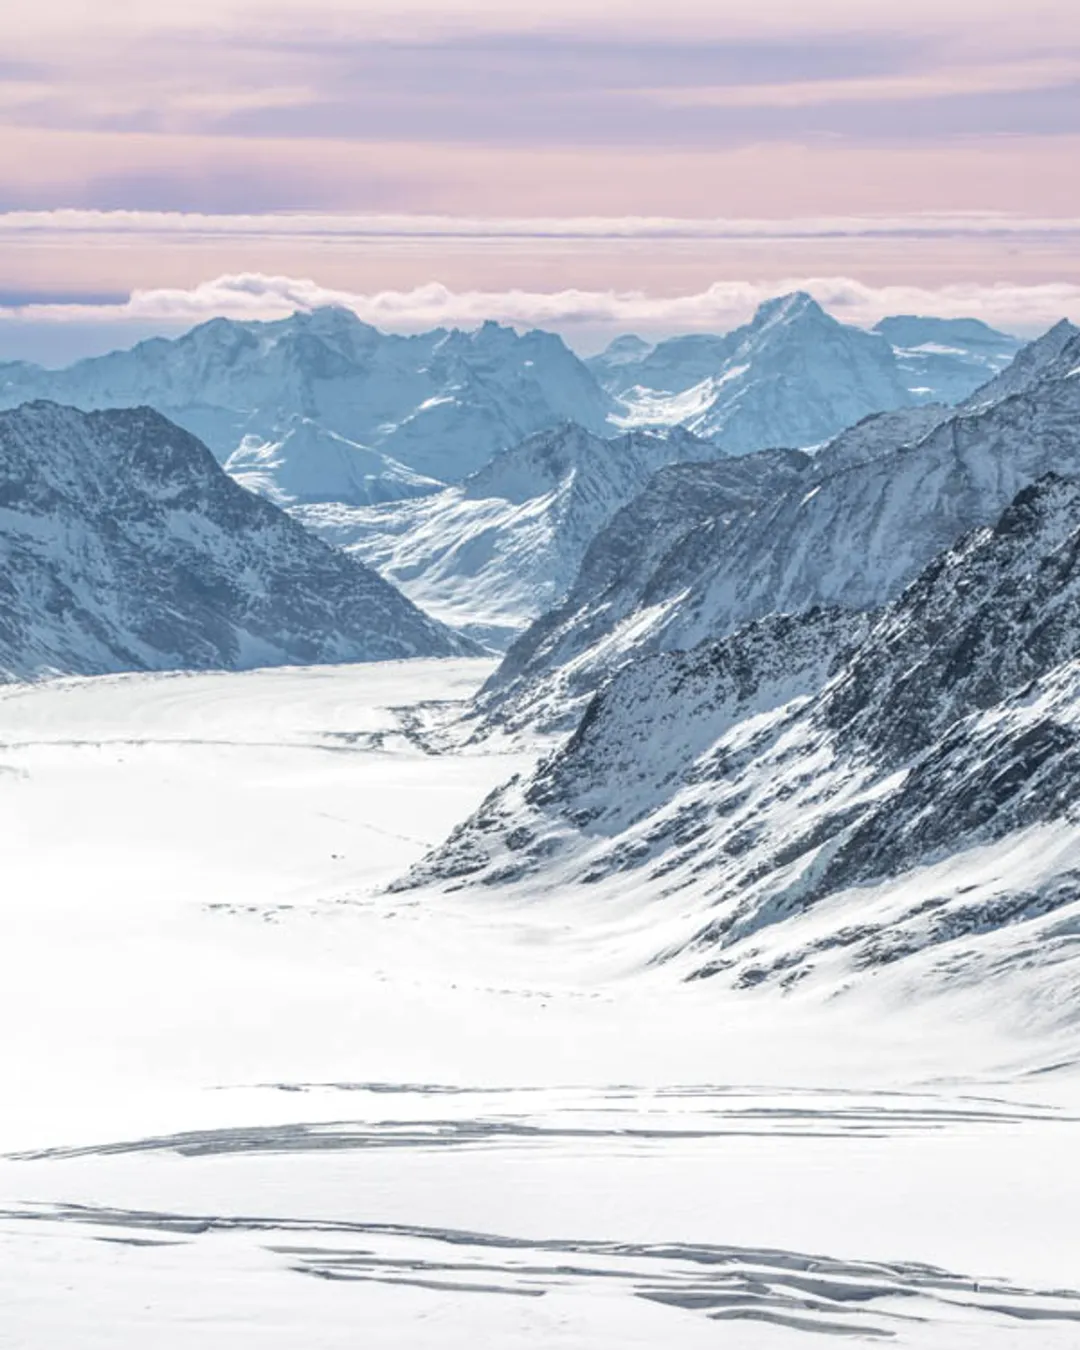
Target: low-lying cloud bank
(1023,308)
(68,222)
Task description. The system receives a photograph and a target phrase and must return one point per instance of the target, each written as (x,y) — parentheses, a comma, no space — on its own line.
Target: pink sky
(773,113)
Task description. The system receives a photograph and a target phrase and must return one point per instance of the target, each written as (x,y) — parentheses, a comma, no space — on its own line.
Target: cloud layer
(68,223)
(721,306)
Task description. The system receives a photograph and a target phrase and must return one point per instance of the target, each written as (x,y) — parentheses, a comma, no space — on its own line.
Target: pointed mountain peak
(785,309)
(1052,343)
(329,314)
(332,320)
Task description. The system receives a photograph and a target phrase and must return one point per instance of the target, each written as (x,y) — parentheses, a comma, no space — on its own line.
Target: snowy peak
(125,546)
(627,348)
(946,359)
(539,465)
(551,459)
(310,464)
(794,308)
(918,330)
(672,366)
(793,376)
(796,376)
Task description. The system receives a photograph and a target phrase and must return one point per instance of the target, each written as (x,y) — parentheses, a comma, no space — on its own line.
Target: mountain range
(823,705)
(321,407)
(437,405)
(125,546)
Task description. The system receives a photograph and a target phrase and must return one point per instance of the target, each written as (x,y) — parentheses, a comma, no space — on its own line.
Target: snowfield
(254,1100)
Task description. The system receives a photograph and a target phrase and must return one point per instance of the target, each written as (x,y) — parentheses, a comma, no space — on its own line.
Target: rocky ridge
(829,793)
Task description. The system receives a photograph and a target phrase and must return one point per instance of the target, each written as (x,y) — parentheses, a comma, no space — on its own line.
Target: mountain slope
(125,546)
(488,556)
(945,360)
(1047,357)
(310,464)
(672,366)
(853,537)
(822,795)
(441,403)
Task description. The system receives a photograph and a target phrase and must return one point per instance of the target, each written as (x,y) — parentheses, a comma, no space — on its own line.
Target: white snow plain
(253,1100)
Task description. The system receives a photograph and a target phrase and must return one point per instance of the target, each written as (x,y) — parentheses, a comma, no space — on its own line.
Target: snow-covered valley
(252,1098)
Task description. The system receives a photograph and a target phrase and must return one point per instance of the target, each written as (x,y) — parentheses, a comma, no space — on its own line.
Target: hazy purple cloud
(517,64)
(552,90)
(620,118)
(257,188)
(617,108)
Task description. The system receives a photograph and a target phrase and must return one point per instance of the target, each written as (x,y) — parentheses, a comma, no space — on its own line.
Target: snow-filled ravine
(252,1100)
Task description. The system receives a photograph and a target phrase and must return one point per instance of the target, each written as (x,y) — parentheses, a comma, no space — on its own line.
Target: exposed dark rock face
(831,790)
(683,510)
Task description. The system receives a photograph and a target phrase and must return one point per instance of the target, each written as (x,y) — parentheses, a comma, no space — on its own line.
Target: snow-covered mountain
(945,360)
(672,366)
(879,434)
(825,794)
(793,376)
(851,535)
(440,403)
(491,554)
(125,546)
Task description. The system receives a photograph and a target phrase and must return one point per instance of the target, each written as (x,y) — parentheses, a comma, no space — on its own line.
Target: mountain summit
(793,376)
